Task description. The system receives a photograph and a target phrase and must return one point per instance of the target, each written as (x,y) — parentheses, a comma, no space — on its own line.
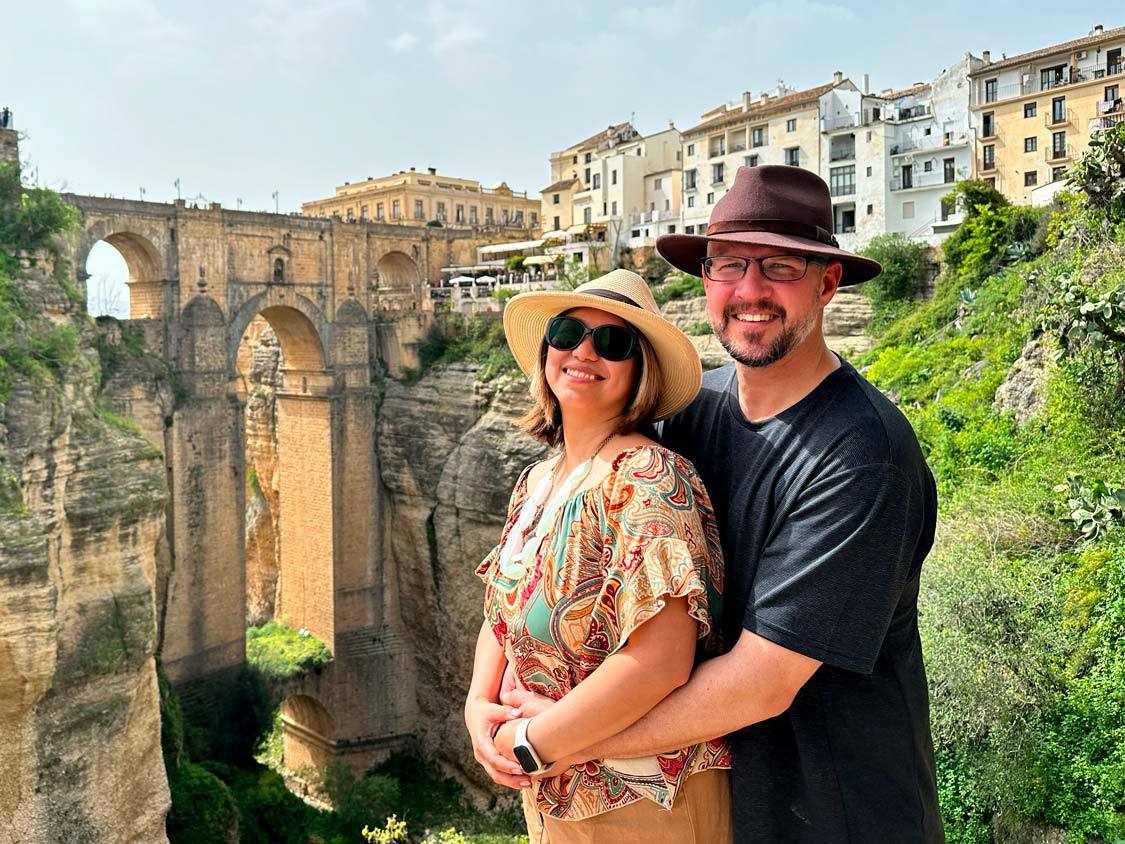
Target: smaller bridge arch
(301,327)
(145,267)
(308,730)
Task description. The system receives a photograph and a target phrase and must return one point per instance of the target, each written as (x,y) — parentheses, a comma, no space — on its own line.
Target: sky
(238,100)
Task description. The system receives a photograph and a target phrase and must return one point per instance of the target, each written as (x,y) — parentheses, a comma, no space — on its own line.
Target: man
(826,510)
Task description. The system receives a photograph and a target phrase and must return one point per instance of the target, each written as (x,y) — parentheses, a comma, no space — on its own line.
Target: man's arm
(756,680)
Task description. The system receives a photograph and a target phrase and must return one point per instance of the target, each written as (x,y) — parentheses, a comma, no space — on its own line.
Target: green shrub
(681,286)
(357,800)
(470,340)
(905,267)
(655,268)
(30,217)
(203,809)
(278,651)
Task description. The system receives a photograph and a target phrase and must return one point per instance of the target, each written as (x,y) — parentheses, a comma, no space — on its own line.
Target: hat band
(810,231)
(610,294)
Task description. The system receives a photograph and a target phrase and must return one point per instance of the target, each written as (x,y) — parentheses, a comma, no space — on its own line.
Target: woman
(607,576)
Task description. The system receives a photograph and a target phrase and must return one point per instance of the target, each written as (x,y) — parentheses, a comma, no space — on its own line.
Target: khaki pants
(701,815)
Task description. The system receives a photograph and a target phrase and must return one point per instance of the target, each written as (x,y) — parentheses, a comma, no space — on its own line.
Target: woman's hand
(481,717)
(528,704)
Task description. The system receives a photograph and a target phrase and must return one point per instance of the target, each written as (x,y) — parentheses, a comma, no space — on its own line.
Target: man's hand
(505,739)
(528,703)
(481,717)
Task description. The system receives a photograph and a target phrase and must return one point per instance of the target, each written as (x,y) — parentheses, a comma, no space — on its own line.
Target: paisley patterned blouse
(645,533)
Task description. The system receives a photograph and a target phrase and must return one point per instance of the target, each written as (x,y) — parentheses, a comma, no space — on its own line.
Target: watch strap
(525,752)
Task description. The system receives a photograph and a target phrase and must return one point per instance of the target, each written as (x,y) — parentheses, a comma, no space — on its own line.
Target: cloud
(462,36)
(402,42)
(452,28)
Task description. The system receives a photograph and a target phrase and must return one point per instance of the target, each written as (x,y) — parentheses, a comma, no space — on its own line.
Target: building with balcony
(410,197)
(602,185)
(781,126)
(1035,112)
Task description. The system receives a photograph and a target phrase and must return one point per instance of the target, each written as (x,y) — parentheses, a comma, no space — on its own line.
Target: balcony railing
(840,121)
(922,180)
(912,113)
(716,152)
(841,153)
(1062,118)
(846,189)
(986,166)
(1035,84)
(1065,78)
(646,217)
(1107,121)
(929,143)
(1110,70)
(1054,154)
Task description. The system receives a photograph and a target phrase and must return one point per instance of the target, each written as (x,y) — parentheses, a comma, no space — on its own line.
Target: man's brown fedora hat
(772,205)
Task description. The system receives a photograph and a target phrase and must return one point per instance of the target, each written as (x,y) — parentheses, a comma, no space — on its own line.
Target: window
(652,206)
(613,177)
(441,211)
(689,179)
(988,124)
(459,214)
(613,208)
(949,175)
(640,150)
(718,145)
(597,180)
(870,210)
(380,213)
(1058,110)
(278,269)
(758,136)
(587,215)
(586,180)
(575,159)
(1052,77)
(1058,144)
(419,210)
(1058,174)
(691,149)
(488,218)
(671,229)
(691,202)
(1112,93)
(658,184)
(928,131)
(351,214)
(667,205)
(555,224)
(588,156)
(908,210)
(991,88)
(711,198)
(472,215)
(990,181)
(635,233)
(689,229)
(1030,144)
(793,156)
(1030,178)
(396,209)
(868,171)
(947,208)
(555,199)
(750,161)
(1029,109)
(868,136)
(605,208)
(928,167)
(363,213)
(717,172)
(791,124)
(988,161)
(907,176)
(841,180)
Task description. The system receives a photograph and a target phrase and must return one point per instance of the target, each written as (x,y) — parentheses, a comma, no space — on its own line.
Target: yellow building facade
(410,197)
(1034,114)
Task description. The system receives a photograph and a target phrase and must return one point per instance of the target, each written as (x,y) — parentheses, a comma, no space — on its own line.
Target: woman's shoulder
(652,463)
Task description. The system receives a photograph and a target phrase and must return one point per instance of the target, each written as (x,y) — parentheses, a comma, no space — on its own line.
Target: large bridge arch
(147,264)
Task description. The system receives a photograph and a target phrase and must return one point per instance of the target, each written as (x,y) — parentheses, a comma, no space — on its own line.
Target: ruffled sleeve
(487,566)
(660,541)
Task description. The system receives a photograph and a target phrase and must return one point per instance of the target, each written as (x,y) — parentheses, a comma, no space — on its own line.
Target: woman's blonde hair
(544,420)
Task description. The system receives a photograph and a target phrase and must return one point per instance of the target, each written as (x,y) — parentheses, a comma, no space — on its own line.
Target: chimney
(867,83)
(837,77)
(1097,30)
(433,171)
(986,57)
(411,169)
(746,98)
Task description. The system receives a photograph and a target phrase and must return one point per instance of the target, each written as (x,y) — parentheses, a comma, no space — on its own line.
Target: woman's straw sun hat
(624,294)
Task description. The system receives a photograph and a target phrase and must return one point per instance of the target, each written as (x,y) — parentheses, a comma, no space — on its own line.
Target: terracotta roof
(758,109)
(597,138)
(912,91)
(1064,47)
(559,185)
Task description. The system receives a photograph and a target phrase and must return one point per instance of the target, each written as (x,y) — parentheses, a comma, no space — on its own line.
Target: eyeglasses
(612,342)
(776,267)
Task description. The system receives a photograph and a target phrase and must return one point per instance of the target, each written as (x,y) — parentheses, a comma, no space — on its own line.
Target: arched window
(278,269)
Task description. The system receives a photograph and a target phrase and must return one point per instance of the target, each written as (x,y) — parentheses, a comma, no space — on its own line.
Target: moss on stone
(278,651)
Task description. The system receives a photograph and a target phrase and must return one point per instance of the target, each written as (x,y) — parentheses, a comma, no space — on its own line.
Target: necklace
(518,552)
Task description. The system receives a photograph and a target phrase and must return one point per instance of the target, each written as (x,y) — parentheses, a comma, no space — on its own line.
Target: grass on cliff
(280,652)
(460,339)
(1022,613)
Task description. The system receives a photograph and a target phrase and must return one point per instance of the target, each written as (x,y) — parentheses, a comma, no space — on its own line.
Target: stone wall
(79,709)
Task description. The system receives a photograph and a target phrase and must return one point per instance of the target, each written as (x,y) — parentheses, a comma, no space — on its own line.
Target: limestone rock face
(1024,388)
(450,456)
(79,710)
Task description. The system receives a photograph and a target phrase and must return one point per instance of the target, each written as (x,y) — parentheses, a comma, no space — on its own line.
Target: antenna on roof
(632,117)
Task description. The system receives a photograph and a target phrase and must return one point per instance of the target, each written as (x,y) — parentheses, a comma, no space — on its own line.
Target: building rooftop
(758,108)
(598,139)
(560,184)
(1094,38)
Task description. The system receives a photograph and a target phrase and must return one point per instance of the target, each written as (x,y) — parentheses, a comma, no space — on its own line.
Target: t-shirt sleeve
(830,578)
(486,567)
(660,542)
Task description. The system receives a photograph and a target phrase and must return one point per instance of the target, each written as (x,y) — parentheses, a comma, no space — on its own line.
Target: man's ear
(830,280)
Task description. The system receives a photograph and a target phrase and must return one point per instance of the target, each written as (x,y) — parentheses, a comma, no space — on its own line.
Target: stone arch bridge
(343,298)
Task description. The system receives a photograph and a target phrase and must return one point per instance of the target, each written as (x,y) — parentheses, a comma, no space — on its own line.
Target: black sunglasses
(612,342)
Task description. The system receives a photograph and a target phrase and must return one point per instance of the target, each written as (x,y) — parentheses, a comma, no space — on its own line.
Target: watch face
(524,757)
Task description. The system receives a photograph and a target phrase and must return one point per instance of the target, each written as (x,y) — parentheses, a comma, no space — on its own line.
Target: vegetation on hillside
(1023,604)
(459,339)
(279,652)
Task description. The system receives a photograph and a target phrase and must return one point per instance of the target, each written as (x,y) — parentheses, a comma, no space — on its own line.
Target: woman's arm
(656,660)
(482,712)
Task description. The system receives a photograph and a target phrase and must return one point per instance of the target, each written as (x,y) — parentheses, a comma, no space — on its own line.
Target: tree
(1100,173)
(904,269)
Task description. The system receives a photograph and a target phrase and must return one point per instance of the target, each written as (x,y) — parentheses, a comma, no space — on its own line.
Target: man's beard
(790,337)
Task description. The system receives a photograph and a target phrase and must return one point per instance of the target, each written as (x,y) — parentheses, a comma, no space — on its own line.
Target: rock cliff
(81,525)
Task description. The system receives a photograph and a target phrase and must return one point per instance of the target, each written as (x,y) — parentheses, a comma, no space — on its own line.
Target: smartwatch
(525,754)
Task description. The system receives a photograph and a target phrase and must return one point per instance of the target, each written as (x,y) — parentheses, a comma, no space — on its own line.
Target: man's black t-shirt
(826,512)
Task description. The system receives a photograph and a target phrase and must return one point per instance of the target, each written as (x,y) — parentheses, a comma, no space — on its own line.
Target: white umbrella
(486,279)
(462,279)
